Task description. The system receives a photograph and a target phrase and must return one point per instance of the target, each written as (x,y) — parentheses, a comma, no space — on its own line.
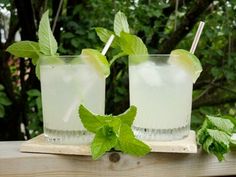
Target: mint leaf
(222,124)
(233,138)
(202,134)
(37,69)
(104,34)
(104,140)
(90,121)
(219,149)
(47,42)
(120,23)
(129,144)
(219,136)
(207,144)
(128,116)
(24,49)
(132,45)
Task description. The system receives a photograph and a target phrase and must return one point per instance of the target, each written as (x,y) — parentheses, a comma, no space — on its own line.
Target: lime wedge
(188,61)
(98,61)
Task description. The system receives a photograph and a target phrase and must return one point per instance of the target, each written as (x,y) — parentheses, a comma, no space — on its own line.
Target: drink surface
(162,94)
(64,88)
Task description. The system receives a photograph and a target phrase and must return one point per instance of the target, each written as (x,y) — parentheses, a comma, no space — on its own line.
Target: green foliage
(112,132)
(215,136)
(34,112)
(4,101)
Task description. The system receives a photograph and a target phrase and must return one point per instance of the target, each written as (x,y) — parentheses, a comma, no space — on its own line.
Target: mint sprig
(112,132)
(46,45)
(125,43)
(215,136)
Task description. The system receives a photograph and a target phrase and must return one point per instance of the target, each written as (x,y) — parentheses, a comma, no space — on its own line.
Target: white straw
(75,103)
(105,49)
(197,36)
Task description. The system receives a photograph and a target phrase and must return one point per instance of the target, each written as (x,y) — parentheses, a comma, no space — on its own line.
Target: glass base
(161,134)
(68,137)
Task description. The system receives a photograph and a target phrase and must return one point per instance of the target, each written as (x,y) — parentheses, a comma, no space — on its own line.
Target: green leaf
(219,149)
(120,23)
(222,124)
(4,100)
(35,60)
(2,111)
(233,139)
(202,134)
(115,123)
(33,93)
(231,118)
(105,34)
(219,136)
(103,141)
(207,144)
(90,121)
(37,69)
(132,45)
(47,42)
(129,144)
(128,116)
(24,49)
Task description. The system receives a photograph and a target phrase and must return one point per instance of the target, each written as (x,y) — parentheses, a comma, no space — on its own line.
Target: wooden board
(13,163)
(39,144)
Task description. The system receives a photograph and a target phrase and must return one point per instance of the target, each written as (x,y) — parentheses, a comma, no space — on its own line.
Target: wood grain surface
(13,163)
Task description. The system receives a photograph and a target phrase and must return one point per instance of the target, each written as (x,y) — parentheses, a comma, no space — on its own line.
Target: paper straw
(105,49)
(197,37)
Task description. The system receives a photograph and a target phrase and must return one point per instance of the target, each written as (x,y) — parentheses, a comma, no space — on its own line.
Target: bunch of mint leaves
(124,42)
(112,132)
(215,134)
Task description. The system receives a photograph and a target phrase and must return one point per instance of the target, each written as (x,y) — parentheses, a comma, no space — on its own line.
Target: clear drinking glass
(162,93)
(67,82)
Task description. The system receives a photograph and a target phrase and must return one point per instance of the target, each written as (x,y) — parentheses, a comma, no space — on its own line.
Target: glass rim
(154,55)
(64,56)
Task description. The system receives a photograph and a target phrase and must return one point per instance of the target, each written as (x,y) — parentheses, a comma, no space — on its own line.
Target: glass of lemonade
(66,83)
(162,93)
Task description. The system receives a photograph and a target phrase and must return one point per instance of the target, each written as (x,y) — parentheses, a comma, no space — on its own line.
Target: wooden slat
(13,163)
(40,144)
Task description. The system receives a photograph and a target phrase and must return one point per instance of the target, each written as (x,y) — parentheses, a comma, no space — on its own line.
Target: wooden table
(16,164)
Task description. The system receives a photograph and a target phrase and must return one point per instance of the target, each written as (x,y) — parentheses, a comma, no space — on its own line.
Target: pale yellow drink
(64,87)
(162,93)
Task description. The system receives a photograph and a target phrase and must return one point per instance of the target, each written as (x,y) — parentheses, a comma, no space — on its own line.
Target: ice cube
(150,74)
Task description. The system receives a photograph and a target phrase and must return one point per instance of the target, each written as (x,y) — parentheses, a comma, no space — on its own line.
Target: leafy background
(163,25)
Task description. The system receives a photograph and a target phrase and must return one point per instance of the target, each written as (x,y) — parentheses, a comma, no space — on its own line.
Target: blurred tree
(163,25)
